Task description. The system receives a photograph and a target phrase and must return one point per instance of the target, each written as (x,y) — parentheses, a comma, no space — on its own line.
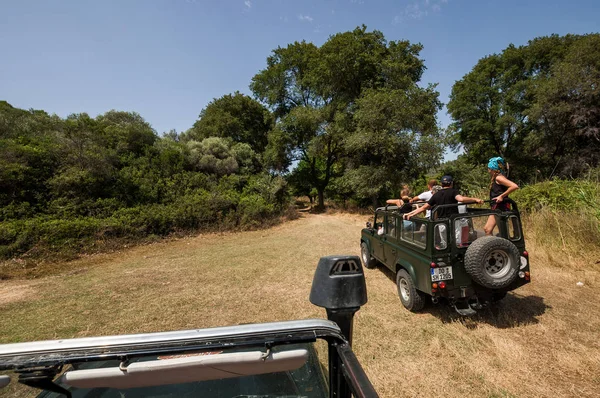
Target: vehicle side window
(440,237)
(378,221)
(514,232)
(414,231)
(390,228)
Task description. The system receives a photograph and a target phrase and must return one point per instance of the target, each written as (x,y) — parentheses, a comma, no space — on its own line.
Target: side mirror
(339,286)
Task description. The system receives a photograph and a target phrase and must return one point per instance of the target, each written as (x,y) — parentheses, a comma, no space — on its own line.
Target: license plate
(441,274)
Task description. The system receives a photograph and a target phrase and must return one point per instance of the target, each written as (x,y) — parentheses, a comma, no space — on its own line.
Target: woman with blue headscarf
(500,188)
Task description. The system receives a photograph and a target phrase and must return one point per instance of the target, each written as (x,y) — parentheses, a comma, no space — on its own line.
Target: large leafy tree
(234,116)
(126,132)
(290,86)
(28,158)
(488,105)
(567,111)
(315,92)
(531,104)
(396,139)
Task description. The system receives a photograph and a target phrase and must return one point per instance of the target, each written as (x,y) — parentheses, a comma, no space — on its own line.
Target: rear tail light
(434,285)
(442,285)
(525,254)
(527,276)
(433,265)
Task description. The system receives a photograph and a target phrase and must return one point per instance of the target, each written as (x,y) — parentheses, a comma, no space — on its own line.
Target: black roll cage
(473,210)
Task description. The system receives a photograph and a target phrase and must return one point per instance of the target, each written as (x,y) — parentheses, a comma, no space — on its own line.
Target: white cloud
(248,3)
(419,10)
(307,18)
(414,11)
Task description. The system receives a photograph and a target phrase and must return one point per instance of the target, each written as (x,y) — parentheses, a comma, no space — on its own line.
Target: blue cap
(497,163)
(446,180)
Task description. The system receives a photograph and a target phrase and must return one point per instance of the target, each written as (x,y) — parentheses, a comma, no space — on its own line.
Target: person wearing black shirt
(446,196)
(403,203)
(500,188)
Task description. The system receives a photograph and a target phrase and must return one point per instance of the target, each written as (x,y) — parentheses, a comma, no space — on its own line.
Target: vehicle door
(379,237)
(392,234)
(412,244)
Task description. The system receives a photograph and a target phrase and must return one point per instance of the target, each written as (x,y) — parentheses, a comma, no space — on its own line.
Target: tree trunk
(321,198)
(374,199)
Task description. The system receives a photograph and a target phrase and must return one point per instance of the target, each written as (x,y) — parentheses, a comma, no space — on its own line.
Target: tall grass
(561,219)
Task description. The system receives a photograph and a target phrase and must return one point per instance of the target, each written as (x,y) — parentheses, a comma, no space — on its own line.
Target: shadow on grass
(512,311)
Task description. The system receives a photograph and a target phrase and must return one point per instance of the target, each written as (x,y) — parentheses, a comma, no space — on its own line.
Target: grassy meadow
(541,341)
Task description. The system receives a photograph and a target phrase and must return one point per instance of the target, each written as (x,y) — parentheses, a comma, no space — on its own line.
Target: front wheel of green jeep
(368,261)
(412,299)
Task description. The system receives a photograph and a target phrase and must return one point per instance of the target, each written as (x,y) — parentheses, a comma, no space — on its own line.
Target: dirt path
(541,341)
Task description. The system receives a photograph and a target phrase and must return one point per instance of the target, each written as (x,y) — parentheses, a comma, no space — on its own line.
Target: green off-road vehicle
(449,258)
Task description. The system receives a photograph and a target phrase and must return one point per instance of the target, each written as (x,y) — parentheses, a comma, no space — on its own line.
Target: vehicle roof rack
(387,208)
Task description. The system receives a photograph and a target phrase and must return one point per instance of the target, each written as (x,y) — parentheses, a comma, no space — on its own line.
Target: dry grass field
(541,341)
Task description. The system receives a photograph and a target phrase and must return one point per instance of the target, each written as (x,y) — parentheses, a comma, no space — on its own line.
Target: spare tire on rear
(492,262)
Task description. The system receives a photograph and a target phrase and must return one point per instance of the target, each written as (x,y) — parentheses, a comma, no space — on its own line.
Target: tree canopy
(236,116)
(317,94)
(536,105)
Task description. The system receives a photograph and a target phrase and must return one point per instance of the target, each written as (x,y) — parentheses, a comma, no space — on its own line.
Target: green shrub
(16,210)
(253,209)
(560,195)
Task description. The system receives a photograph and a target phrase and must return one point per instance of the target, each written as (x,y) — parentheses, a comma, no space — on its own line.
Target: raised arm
(397,202)
(466,199)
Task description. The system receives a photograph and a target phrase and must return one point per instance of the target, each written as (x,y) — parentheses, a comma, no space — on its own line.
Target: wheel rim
(365,255)
(404,290)
(497,264)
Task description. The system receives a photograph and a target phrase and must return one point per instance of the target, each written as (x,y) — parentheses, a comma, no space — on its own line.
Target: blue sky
(167,59)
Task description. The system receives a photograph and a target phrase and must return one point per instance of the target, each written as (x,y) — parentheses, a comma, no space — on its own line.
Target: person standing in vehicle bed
(500,188)
(425,196)
(447,195)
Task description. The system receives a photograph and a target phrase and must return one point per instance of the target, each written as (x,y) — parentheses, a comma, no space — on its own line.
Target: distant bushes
(562,217)
(263,198)
(561,195)
(82,184)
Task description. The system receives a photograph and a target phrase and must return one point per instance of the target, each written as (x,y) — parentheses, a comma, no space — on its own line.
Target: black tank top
(497,189)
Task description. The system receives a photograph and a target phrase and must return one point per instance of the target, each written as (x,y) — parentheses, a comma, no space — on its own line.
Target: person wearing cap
(447,195)
(500,188)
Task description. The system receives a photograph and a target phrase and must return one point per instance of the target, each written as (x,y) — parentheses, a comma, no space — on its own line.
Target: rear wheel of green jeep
(368,261)
(412,299)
